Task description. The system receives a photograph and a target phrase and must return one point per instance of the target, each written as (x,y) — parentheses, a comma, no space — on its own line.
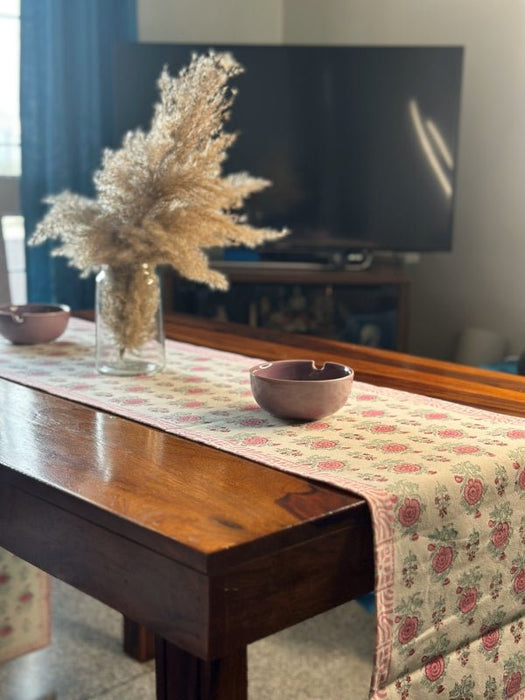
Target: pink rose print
(521,480)
(500,535)
(513,684)
(490,639)
(192,404)
(516,434)
(316,426)
(5,631)
(4,578)
(189,419)
(450,433)
(252,421)
(519,582)
(408,629)
(473,491)
(394,447)
(25,597)
(434,668)
(409,512)
(383,429)
(372,413)
(466,449)
(435,416)
(324,444)
(331,464)
(468,600)
(255,440)
(442,559)
(406,468)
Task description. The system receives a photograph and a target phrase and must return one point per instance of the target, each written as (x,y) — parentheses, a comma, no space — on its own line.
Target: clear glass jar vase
(129,321)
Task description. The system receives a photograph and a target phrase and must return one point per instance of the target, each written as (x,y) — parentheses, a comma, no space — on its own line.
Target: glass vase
(129,321)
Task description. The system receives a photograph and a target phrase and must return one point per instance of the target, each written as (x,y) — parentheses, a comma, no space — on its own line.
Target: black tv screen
(360,142)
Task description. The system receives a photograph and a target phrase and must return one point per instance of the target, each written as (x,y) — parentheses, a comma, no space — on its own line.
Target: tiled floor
(84,661)
(328,657)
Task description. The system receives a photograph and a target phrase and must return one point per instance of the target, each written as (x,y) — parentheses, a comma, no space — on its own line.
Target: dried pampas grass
(128,301)
(162,197)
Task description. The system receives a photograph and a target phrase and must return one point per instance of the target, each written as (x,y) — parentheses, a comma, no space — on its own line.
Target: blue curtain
(66,90)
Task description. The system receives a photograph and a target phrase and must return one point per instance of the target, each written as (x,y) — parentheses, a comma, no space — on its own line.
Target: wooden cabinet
(369,307)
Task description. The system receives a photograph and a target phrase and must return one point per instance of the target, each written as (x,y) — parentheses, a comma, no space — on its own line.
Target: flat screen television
(360,142)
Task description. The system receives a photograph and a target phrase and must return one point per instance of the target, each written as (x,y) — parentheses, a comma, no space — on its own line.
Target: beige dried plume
(162,197)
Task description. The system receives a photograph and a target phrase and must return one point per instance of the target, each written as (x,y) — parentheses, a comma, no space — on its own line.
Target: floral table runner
(24,607)
(445,485)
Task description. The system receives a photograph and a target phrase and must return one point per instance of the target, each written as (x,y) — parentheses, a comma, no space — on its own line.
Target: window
(13,234)
(10,161)
(12,225)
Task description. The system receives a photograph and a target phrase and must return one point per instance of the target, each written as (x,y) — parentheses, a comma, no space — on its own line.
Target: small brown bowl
(28,324)
(300,389)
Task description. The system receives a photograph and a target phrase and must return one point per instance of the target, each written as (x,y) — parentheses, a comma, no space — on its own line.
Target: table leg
(138,642)
(182,676)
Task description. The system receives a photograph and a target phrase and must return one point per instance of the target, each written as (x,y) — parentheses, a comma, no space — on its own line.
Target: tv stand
(356,304)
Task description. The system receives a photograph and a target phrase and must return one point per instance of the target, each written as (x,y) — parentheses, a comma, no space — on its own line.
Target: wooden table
(207,550)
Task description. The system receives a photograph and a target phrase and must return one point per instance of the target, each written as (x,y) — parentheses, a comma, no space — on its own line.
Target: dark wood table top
(490,390)
(207,549)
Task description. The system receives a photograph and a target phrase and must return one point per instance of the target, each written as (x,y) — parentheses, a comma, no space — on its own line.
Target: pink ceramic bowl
(300,389)
(28,324)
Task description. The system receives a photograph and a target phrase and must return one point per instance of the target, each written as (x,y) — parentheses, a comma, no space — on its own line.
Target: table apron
(165,596)
(209,616)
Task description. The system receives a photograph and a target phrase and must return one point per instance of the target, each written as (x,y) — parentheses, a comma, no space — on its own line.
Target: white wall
(482,282)
(228,21)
